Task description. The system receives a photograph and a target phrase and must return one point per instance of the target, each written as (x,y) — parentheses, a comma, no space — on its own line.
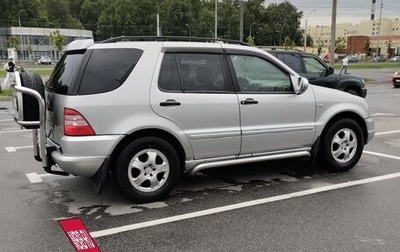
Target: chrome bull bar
(39,138)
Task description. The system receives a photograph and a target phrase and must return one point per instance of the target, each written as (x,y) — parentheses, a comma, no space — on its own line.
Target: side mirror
(302,85)
(329,71)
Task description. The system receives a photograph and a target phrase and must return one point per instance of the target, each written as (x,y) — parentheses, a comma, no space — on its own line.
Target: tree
(340,44)
(367,47)
(310,41)
(250,40)
(60,16)
(13,42)
(289,44)
(389,48)
(57,39)
(281,21)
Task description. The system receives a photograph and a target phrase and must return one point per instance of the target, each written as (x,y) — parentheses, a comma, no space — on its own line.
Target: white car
(44,60)
(148,111)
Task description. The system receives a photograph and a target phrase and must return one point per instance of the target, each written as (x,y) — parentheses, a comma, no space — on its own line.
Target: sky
(353,11)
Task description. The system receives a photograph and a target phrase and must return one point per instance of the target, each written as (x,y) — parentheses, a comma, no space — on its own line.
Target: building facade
(384,35)
(34,42)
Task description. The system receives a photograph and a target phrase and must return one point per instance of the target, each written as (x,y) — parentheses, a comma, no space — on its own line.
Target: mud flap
(100,176)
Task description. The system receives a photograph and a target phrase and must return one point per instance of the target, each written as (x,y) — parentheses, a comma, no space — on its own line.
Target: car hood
(345,76)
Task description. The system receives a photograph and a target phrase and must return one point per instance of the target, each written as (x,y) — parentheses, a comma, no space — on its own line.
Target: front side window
(192,72)
(313,66)
(258,75)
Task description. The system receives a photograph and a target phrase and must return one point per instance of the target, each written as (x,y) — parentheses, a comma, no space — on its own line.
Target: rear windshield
(93,71)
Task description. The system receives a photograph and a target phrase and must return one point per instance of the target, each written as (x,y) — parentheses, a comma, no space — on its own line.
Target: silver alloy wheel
(148,170)
(344,145)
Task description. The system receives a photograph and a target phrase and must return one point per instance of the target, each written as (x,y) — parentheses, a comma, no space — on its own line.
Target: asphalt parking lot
(270,206)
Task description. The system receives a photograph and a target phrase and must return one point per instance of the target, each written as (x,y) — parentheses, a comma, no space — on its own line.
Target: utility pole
(305,31)
(378,53)
(216,20)
(241,21)
(333,33)
(20,38)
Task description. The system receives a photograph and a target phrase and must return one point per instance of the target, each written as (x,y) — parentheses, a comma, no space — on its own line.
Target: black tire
(30,104)
(135,163)
(341,146)
(353,92)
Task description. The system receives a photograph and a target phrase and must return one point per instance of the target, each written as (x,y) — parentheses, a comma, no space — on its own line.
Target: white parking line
(382,114)
(381,155)
(387,132)
(116,230)
(36,178)
(14,149)
(14,131)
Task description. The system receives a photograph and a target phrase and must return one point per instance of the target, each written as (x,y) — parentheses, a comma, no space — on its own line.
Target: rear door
(195,93)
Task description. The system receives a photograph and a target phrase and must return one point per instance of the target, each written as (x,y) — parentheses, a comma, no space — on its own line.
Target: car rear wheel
(341,146)
(147,169)
(30,104)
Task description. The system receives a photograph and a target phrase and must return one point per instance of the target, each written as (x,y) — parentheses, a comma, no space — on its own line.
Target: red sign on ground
(79,235)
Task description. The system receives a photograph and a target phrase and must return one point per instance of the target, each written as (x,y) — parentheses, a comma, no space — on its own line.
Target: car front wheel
(147,169)
(342,146)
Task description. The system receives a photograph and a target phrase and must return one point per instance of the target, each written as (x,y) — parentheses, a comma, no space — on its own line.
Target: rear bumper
(82,156)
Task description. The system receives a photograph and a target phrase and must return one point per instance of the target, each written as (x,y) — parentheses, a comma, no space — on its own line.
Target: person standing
(9,67)
(345,64)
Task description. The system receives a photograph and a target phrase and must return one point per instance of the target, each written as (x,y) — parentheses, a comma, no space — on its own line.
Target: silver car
(148,111)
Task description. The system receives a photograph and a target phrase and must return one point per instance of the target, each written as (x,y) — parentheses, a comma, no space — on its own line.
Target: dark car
(396,79)
(352,59)
(318,73)
(379,58)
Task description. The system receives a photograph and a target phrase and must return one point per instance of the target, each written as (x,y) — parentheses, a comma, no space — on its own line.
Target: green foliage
(340,44)
(250,40)
(57,39)
(13,42)
(289,44)
(367,46)
(267,24)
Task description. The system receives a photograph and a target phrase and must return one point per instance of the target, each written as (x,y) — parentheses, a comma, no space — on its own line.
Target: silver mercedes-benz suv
(148,111)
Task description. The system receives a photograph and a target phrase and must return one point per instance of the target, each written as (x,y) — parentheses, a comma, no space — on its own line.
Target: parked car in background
(395,59)
(163,108)
(352,59)
(396,79)
(318,73)
(326,58)
(44,60)
(380,58)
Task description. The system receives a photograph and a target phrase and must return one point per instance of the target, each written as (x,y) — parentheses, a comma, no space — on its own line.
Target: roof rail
(172,38)
(278,48)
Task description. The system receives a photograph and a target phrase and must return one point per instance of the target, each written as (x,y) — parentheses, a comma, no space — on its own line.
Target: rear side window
(192,72)
(67,73)
(293,61)
(107,69)
(92,71)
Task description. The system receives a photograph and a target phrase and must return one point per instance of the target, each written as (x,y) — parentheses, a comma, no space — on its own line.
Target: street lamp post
(305,30)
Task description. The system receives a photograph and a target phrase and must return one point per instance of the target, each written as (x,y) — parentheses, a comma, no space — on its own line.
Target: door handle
(170,102)
(248,101)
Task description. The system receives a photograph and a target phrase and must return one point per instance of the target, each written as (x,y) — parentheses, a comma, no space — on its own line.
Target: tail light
(75,124)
